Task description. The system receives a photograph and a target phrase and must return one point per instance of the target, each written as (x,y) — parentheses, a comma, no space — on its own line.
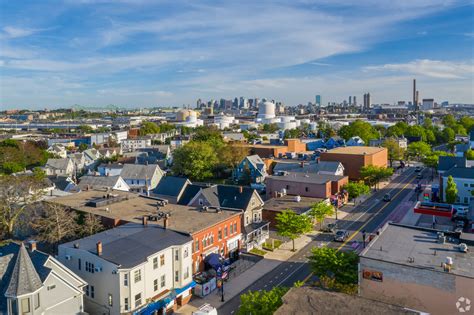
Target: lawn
(268,244)
(258,252)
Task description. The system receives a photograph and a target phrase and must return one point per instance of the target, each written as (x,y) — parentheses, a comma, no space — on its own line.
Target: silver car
(341,235)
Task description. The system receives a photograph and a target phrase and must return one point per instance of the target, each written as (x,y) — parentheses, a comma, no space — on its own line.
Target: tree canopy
(15,156)
(356,189)
(419,150)
(451,190)
(394,150)
(292,225)
(359,128)
(373,174)
(195,160)
(320,211)
(261,302)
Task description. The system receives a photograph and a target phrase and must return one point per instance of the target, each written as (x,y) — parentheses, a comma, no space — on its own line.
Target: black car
(418,169)
(419,176)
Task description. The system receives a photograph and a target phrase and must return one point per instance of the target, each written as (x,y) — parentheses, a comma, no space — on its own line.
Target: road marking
(374,215)
(281,273)
(232,312)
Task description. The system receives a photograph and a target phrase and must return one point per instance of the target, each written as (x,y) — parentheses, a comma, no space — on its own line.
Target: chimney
(144,221)
(166,221)
(32,246)
(99,248)
(241,189)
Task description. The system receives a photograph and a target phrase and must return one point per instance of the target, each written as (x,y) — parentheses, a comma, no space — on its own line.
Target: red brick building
(354,158)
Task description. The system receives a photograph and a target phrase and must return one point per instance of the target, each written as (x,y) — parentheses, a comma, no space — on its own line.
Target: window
(163,281)
(212,238)
(235,227)
(137,276)
(203,243)
(90,267)
(176,276)
(201,202)
(472,185)
(219,235)
(232,228)
(196,245)
(125,304)
(87,290)
(306,189)
(155,263)
(155,285)
(186,273)
(176,254)
(14,307)
(25,305)
(51,287)
(125,279)
(92,291)
(110,300)
(185,252)
(255,217)
(287,187)
(162,260)
(138,299)
(465,185)
(79,264)
(37,301)
(225,231)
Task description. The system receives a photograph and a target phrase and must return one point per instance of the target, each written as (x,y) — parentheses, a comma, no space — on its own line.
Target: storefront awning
(190,285)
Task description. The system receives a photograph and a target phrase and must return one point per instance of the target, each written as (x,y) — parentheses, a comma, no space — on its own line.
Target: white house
(100,182)
(141,178)
(133,267)
(34,283)
(464,179)
(129,145)
(58,149)
(59,167)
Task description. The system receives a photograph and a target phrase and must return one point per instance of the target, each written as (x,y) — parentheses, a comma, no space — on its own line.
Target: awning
(190,285)
(151,308)
(213,260)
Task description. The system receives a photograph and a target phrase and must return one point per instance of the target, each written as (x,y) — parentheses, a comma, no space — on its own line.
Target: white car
(206,309)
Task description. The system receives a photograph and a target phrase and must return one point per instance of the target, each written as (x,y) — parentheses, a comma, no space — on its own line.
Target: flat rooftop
(397,243)
(310,178)
(182,219)
(311,300)
(356,150)
(289,202)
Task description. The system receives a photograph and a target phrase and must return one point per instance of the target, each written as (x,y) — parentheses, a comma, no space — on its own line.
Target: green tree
(38,174)
(195,160)
(373,174)
(470,155)
(359,128)
(416,131)
(418,150)
(394,150)
(148,127)
(467,122)
(319,211)
(329,262)
(270,128)
(431,160)
(451,190)
(292,225)
(85,129)
(261,302)
(449,120)
(448,134)
(82,147)
(397,130)
(356,189)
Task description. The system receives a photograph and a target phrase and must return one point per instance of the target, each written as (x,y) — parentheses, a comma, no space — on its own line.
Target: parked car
(418,169)
(329,228)
(460,210)
(387,197)
(341,235)
(419,176)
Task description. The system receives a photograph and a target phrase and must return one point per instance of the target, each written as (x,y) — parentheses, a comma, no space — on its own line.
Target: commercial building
(32,282)
(418,268)
(305,185)
(129,145)
(212,230)
(354,158)
(132,268)
(268,151)
(298,204)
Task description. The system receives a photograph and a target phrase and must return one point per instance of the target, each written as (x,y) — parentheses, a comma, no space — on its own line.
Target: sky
(142,53)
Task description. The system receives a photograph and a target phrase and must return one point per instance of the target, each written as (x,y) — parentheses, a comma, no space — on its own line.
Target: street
(369,216)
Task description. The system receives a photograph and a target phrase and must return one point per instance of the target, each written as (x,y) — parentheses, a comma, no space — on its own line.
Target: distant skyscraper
(350,100)
(318,100)
(354,100)
(367,101)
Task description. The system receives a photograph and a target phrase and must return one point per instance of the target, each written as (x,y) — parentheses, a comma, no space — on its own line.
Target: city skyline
(144,53)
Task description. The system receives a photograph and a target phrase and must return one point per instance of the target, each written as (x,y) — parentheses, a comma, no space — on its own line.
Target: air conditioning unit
(98,269)
(68,257)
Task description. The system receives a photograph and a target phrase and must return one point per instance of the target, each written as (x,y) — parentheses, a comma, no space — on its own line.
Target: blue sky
(138,53)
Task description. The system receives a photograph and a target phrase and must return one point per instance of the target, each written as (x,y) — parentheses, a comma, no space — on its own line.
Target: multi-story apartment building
(129,145)
(133,267)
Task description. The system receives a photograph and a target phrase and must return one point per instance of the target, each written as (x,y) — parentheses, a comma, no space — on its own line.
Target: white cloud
(14,32)
(429,68)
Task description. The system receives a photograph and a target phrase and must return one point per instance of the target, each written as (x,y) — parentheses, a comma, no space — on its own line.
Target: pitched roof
(460,172)
(131,244)
(137,171)
(59,164)
(228,196)
(189,192)
(447,162)
(98,181)
(61,182)
(171,186)
(21,271)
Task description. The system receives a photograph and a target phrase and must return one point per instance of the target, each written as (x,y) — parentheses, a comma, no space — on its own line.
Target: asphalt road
(368,216)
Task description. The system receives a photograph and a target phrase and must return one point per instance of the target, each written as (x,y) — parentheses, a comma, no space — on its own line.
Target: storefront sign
(372,275)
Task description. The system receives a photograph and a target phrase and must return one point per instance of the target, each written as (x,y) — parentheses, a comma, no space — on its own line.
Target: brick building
(267,151)
(354,158)
(212,230)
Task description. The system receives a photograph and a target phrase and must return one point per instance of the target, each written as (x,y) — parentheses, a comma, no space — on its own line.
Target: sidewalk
(235,285)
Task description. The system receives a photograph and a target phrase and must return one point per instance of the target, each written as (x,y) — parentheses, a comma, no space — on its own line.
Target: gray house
(32,282)
(141,178)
